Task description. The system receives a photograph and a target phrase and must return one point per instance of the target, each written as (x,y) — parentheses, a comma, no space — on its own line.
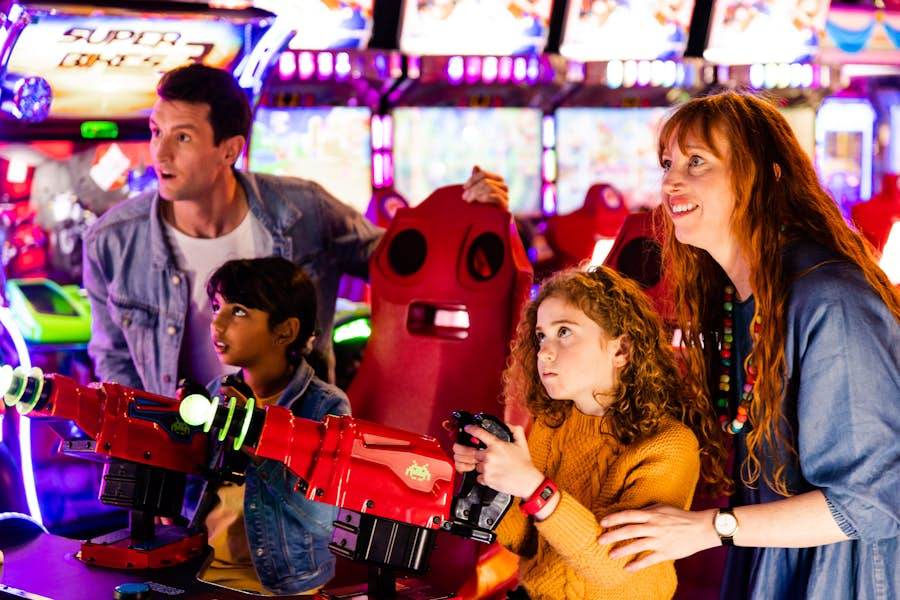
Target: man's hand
(487,187)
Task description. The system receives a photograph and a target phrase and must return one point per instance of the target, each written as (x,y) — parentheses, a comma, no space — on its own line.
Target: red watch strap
(540,497)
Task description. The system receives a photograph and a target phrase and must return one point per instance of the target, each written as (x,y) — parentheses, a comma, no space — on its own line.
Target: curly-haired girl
(612,429)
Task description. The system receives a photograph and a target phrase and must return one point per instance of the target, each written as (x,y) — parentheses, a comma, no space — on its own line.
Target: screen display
(742,31)
(438,146)
(608,145)
(441,27)
(117,59)
(598,30)
(329,145)
(330,24)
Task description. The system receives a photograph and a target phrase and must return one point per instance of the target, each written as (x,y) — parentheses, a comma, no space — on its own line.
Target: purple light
(287,65)
(489,69)
(378,169)
(377,130)
(381,64)
(305,64)
(504,73)
(326,65)
(342,65)
(520,66)
(388,169)
(548,199)
(455,69)
(473,69)
(533,70)
(387,131)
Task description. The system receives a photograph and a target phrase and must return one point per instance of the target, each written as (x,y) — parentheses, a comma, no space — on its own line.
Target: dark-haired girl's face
(697,192)
(241,335)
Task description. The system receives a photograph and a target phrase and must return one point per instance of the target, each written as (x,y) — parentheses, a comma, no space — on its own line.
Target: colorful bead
(742,414)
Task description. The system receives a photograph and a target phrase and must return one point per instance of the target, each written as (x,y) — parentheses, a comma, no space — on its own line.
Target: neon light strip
(24,422)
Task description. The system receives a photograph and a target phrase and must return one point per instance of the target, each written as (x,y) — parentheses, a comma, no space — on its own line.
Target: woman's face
(697,192)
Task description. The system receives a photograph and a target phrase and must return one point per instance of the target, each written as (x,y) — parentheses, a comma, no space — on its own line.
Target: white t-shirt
(198,258)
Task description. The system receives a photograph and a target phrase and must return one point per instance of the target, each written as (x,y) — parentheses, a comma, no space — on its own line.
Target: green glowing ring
(239,440)
(26,407)
(12,398)
(213,409)
(223,433)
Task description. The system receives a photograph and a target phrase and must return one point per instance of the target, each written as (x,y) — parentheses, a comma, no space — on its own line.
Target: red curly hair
(778,198)
(650,384)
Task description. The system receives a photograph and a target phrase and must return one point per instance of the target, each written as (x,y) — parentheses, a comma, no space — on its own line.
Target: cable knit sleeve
(662,469)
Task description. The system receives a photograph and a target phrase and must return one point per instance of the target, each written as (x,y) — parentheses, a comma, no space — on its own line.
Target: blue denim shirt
(139,298)
(288,535)
(842,407)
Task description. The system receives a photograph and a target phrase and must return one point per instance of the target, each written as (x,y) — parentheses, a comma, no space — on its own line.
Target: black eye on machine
(407,251)
(485,256)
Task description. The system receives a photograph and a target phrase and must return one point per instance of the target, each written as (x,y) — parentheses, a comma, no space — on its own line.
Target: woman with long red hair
(792,334)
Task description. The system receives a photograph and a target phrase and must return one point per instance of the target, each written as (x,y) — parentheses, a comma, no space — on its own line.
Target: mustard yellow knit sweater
(560,556)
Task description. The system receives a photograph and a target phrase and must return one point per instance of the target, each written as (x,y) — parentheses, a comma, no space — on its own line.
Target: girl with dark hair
(791,334)
(265,535)
(612,429)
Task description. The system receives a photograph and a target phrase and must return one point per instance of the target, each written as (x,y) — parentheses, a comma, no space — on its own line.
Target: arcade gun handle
(121,422)
(394,488)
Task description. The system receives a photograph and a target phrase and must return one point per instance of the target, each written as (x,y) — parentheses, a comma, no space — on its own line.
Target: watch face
(725,524)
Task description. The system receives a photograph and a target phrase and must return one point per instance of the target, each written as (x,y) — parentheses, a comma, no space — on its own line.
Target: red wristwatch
(540,497)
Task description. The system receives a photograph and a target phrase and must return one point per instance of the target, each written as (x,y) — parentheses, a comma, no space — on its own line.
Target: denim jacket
(842,353)
(139,297)
(288,534)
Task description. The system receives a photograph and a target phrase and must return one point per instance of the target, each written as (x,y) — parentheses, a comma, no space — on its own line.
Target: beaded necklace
(728,424)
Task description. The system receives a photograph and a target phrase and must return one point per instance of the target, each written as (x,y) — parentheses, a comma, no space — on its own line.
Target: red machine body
(125,423)
(363,466)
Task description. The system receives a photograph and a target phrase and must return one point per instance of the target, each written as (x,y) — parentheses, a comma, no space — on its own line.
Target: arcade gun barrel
(148,451)
(121,422)
(394,488)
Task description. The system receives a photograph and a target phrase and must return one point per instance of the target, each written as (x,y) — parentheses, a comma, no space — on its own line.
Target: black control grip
(477,508)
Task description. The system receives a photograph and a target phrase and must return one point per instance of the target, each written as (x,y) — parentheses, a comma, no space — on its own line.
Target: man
(147,259)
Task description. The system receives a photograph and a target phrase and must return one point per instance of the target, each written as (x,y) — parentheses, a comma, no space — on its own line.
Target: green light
(26,406)
(17,388)
(239,440)
(93,130)
(223,432)
(194,410)
(357,329)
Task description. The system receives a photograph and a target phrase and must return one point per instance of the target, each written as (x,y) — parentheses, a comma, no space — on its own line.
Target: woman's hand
(663,532)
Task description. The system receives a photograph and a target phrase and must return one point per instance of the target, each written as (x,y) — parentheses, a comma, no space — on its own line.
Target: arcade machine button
(132,591)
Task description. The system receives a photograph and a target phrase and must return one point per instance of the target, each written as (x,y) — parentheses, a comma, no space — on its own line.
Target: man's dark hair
(229,106)
(273,285)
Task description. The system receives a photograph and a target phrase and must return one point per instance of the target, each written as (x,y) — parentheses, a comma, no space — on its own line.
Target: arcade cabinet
(449,280)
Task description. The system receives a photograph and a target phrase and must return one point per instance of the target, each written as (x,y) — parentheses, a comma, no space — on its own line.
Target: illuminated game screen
(331,24)
(608,145)
(438,146)
(742,31)
(440,27)
(119,58)
(621,30)
(329,145)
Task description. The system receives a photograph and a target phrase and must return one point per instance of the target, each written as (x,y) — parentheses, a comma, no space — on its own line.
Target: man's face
(188,163)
